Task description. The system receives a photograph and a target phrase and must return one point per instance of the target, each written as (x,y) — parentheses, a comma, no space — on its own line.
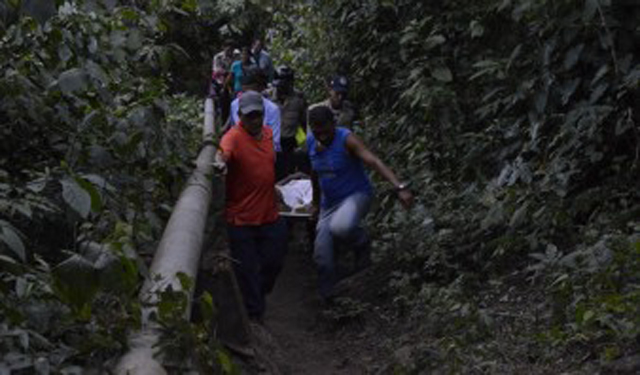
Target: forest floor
(363,334)
(303,336)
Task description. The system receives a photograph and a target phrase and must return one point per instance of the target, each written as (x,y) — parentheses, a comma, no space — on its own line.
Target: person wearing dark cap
(257,235)
(293,114)
(255,81)
(342,193)
(343,110)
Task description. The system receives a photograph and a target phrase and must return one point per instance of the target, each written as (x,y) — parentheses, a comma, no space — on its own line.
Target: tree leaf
(76,283)
(99,182)
(225,362)
(11,236)
(434,41)
(590,8)
(76,197)
(72,80)
(37,185)
(597,93)
(573,56)
(96,198)
(541,101)
(514,54)
(442,73)
(477,30)
(569,89)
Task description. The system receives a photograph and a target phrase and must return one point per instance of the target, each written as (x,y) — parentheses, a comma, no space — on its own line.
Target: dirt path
(294,320)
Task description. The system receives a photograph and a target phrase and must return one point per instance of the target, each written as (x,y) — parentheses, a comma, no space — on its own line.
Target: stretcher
(296,195)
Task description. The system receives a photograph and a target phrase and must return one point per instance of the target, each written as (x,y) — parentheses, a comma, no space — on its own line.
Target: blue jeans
(340,222)
(259,251)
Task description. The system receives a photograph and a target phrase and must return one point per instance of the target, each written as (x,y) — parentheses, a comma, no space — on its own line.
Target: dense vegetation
(96,142)
(516,120)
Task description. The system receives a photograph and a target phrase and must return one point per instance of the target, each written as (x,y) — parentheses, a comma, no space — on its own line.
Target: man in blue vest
(342,192)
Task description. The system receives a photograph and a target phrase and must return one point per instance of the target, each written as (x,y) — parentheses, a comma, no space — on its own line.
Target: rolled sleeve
(228,144)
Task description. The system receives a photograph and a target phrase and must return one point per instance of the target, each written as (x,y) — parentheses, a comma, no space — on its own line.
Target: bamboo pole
(178,251)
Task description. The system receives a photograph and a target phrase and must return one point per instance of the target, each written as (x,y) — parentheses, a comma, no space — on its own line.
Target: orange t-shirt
(251,195)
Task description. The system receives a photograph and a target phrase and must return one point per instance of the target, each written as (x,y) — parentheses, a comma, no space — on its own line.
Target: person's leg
(225,103)
(243,246)
(272,250)
(346,226)
(302,162)
(323,255)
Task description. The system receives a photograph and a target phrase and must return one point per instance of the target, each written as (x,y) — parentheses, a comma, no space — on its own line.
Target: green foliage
(96,147)
(517,122)
(185,344)
(345,311)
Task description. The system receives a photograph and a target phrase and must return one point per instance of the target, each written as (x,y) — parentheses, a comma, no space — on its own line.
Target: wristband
(403,186)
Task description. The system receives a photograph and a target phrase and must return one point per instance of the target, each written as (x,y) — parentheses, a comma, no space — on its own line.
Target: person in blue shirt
(263,59)
(254,80)
(342,193)
(238,70)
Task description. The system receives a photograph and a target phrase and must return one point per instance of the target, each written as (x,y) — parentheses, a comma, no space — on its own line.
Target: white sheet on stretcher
(296,193)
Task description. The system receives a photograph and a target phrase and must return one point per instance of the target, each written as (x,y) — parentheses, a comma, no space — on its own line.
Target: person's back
(292,112)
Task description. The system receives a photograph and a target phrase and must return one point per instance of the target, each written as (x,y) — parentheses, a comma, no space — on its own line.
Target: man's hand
(219,164)
(406,198)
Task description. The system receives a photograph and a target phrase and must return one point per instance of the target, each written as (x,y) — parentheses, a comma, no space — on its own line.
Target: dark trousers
(259,252)
(288,147)
(222,100)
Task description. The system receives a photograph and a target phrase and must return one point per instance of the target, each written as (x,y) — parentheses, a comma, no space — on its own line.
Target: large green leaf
(76,283)
(442,73)
(76,197)
(573,56)
(72,80)
(96,198)
(11,237)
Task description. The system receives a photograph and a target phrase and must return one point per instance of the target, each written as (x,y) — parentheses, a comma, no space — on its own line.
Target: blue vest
(340,174)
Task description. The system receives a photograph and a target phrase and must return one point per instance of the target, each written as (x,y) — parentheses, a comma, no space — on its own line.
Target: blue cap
(339,84)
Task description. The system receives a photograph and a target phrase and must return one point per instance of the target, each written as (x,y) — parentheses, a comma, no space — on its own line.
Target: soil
(306,336)
(300,334)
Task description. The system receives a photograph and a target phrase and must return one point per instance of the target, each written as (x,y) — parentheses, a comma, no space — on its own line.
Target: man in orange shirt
(257,236)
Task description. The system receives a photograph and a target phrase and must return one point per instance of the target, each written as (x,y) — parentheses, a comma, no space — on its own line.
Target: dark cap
(253,76)
(339,83)
(283,76)
(250,101)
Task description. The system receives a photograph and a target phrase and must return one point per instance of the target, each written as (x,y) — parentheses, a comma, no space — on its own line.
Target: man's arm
(233,113)
(358,149)
(224,153)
